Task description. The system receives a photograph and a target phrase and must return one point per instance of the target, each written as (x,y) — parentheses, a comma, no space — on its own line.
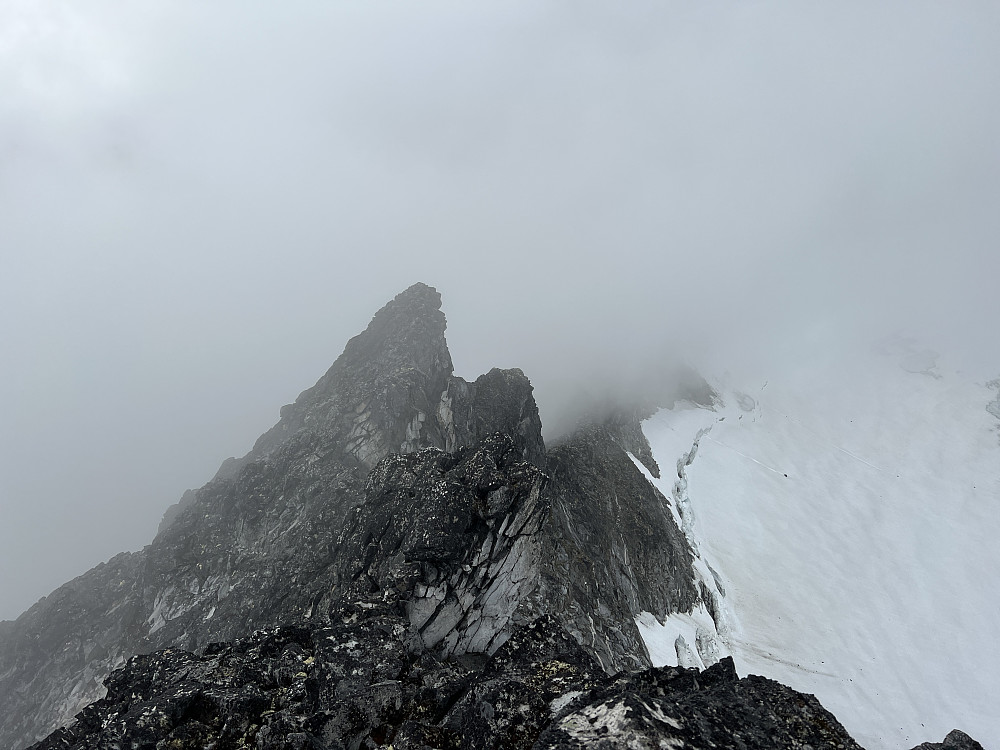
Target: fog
(201,202)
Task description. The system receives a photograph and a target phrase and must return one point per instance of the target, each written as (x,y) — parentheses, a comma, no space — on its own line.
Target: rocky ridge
(364,685)
(400,562)
(278,535)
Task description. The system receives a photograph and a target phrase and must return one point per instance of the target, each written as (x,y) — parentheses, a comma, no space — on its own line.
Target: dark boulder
(954,740)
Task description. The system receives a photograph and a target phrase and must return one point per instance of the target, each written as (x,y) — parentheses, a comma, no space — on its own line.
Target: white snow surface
(852,510)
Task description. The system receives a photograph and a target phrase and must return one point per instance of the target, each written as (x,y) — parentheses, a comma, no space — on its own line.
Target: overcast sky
(200,202)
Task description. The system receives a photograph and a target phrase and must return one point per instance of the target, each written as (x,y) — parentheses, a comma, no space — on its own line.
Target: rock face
(362,682)
(389,474)
(399,561)
(455,536)
(955,740)
(600,501)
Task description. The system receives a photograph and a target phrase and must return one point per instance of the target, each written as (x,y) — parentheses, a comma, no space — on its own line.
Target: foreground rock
(955,740)
(370,684)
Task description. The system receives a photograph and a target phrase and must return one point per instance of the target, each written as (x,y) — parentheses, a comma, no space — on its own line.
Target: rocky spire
(378,395)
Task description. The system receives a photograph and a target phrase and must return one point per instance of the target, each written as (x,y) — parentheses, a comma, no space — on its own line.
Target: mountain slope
(353,492)
(401,559)
(255,546)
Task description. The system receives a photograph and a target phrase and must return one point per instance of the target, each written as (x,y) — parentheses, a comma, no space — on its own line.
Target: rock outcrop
(389,473)
(363,681)
(955,740)
(611,549)
(455,536)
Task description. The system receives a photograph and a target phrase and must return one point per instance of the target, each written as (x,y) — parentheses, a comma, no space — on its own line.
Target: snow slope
(852,509)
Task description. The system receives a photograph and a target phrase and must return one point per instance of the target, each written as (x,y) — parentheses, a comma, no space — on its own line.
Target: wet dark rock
(596,493)
(498,400)
(363,686)
(676,707)
(955,740)
(453,536)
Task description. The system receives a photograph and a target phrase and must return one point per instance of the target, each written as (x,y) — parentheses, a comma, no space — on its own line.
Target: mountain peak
(407,332)
(420,290)
(389,376)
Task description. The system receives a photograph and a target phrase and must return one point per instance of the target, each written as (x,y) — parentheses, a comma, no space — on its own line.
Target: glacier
(850,506)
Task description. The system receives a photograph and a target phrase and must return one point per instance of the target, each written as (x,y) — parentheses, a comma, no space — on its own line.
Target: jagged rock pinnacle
(381,390)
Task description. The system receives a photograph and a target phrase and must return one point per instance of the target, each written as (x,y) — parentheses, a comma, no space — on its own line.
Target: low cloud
(200,204)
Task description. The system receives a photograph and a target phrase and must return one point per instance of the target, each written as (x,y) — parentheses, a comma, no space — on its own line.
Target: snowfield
(851,509)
